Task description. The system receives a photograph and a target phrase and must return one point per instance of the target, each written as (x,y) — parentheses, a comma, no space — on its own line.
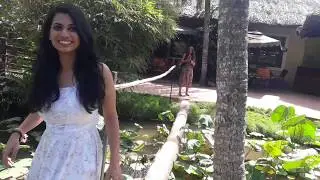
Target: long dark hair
(192,52)
(90,84)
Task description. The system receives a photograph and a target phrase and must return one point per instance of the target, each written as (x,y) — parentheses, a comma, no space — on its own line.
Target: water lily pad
(205,121)
(208,170)
(192,170)
(202,156)
(133,156)
(138,147)
(187,157)
(205,162)
(137,166)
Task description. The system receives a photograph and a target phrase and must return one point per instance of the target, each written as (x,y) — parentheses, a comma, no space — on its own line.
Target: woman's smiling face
(63,34)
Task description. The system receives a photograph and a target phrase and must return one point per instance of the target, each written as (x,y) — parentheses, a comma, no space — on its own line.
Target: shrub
(261,123)
(134,106)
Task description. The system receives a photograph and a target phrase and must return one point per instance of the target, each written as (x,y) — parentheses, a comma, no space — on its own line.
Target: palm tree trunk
(205,47)
(232,84)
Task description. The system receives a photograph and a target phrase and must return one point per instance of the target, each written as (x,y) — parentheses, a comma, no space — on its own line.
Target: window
(271,56)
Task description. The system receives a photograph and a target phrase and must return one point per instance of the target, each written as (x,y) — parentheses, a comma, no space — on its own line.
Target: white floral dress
(70,147)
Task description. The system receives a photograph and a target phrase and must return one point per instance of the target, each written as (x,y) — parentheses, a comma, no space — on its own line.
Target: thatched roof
(271,12)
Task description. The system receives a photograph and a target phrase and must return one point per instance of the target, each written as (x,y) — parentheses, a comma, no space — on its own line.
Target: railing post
(115,77)
(166,156)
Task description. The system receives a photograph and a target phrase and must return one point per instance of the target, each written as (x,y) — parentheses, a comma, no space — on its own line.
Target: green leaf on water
(274,148)
(306,164)
(187,157)
(305,132)
(208,169)
(282,113)
(294,121)
(202,156)
(267,168)
(205,121)
(193,145)
(205,162)
(138,148)
(278,114)
(193,170)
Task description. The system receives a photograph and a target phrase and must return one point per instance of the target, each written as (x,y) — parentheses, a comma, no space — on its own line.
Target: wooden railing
(167,155)
(135,83)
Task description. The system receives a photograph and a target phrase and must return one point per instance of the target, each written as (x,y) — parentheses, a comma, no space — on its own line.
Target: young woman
(187,63)
(69,86)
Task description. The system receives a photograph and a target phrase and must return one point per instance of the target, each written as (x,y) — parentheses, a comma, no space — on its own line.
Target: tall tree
(232,80)
(205,46)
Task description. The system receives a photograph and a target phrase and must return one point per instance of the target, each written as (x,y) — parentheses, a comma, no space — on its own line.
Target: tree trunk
(205,47)
(232,84)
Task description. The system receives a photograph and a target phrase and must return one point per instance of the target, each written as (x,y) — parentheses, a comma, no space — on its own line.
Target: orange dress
(186,75)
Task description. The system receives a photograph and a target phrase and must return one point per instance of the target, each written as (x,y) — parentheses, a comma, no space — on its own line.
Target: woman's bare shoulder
(104,68)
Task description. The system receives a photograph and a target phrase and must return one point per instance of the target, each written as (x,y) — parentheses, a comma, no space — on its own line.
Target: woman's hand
(113,173)
(10,152)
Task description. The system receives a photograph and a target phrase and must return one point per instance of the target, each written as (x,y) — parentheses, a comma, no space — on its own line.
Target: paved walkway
(304,104)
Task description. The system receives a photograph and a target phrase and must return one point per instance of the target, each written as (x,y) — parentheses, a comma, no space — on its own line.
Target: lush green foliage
(298,128)
(195,159)
(126,31)
(286,157)
(13,98)
(261,123)
(134,106)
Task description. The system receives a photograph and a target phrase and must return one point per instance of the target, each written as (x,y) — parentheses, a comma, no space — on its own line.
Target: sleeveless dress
(70,147)
(186,75)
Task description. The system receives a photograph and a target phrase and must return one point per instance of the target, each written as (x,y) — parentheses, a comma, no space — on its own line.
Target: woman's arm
(182,61)
(193,62)
(111,117)
(12,147)
(31,121)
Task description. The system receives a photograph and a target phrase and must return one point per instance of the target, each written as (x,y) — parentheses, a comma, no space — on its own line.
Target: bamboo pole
(164,159)
(135,83)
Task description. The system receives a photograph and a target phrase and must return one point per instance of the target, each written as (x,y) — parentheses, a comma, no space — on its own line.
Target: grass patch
(134,106)
(141,107)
